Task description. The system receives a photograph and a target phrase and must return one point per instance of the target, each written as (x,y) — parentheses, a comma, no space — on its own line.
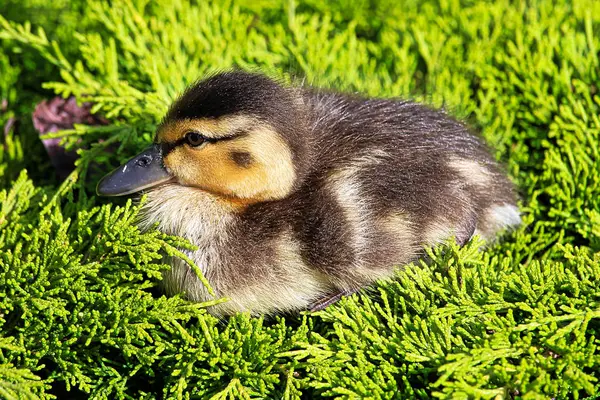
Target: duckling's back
(388,178)
(406,157)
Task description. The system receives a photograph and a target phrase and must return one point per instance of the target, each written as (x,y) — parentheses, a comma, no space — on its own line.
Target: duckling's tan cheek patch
(255,167)
(270,173)
(178,164)
(208,167)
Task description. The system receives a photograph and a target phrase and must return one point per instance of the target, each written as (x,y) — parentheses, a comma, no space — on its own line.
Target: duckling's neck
(202,218)
(197,215)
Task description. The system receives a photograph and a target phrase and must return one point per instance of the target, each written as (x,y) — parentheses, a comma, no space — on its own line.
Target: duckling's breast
(253,258)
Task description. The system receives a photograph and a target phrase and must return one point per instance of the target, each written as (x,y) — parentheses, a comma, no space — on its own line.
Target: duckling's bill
(143,171)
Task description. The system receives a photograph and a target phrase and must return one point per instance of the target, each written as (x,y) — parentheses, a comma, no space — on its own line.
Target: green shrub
(80,312)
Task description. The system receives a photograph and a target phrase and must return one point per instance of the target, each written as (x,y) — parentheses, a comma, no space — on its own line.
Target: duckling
(297,196)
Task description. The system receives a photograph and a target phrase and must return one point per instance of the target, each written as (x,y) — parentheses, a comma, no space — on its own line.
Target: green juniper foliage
(80,312)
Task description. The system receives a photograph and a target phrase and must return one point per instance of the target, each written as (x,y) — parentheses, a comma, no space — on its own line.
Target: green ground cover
(80,314)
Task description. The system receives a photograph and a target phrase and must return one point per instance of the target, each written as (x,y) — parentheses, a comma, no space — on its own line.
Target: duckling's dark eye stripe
(167,147)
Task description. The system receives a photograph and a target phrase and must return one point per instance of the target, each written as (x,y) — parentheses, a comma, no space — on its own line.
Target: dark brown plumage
(297,195)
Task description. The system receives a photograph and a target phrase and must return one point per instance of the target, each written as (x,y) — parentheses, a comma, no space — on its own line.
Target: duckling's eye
(194,139)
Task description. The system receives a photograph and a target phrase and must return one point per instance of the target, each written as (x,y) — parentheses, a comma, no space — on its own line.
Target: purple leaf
(58,114)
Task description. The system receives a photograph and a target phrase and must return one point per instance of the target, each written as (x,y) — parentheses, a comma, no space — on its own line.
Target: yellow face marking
(208,127)
(266,173)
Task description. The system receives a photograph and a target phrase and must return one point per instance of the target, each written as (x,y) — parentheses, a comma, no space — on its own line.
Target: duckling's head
(238,135)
